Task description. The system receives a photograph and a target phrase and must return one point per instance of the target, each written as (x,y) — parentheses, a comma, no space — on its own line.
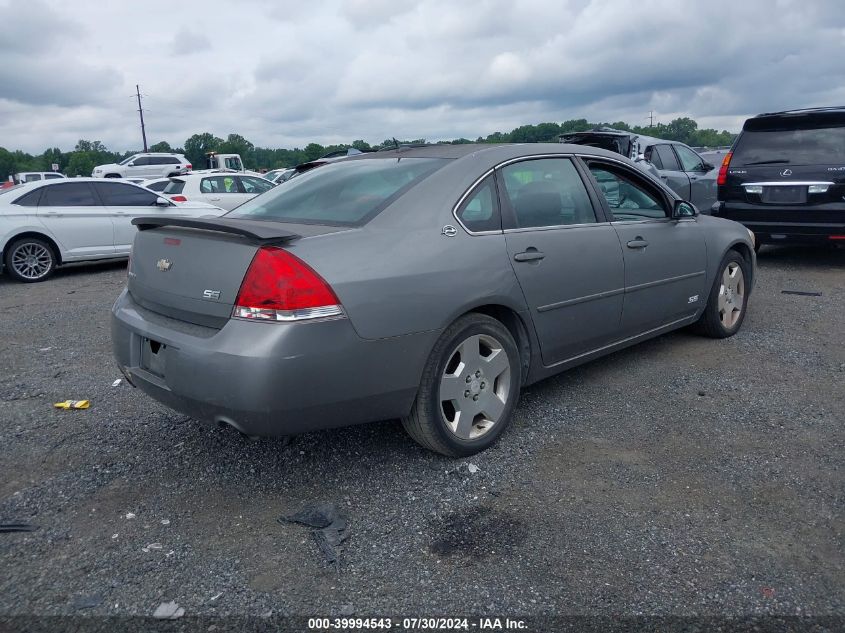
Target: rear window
(342,193)
(813,146)
(175,186)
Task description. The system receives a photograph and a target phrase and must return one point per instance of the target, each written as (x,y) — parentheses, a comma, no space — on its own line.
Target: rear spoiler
(253,229)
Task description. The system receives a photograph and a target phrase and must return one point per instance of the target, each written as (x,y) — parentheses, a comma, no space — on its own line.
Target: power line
(141,113)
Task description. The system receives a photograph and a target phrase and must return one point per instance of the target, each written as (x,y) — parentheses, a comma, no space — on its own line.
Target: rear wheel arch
(515,325)
(39,236)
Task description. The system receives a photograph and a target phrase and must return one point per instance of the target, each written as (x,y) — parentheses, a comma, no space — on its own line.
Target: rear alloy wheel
(469,388)
(30,259)
(725,310)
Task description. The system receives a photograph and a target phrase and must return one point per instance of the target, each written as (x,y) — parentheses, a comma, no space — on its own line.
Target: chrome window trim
(523,229)
(788,183)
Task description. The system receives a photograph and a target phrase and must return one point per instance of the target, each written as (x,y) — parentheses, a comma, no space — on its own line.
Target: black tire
(46,256)
(112,176)
(757,246)
(711,321)
(173,175)
(427,423)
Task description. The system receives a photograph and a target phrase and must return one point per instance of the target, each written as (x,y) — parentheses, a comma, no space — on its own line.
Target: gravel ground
(685,476)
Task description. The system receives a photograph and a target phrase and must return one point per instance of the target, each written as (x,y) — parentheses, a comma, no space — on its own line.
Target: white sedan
(44,224)
(226,190)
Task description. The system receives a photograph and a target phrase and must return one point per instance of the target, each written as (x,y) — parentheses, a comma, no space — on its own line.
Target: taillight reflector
(836,237)
(178,198)
(278,286)
(723,170)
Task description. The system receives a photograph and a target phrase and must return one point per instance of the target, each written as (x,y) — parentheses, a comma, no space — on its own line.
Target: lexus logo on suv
(786,172)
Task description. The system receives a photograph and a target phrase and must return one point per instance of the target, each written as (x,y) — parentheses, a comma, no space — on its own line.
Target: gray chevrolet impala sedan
(427,283)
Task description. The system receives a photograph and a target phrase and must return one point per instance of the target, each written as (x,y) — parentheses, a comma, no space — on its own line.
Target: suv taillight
(723,170)
(178,198)
(188,167)
(279,286)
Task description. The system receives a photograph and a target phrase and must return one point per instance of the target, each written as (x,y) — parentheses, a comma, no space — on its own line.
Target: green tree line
(87,154)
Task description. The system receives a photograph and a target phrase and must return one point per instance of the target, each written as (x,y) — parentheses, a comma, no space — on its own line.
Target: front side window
(76,194)
(142,161)
(255,185)
(480,211)
(32,177)
(115,194)
(344,193)
(546,192)
(627,197)
(690,161)
(126,161)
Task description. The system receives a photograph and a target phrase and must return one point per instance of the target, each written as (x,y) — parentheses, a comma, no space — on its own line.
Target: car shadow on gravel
(69,271)
(822,257)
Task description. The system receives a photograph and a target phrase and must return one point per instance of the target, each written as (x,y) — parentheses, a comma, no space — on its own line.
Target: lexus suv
(784,177)
(144,166)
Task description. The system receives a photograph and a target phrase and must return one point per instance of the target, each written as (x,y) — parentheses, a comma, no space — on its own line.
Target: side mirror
(639,158)
(705,167)
(161,201)
(131,165)
(683,209)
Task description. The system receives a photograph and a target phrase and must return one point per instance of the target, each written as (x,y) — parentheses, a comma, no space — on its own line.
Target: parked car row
(424,283)
(44,224)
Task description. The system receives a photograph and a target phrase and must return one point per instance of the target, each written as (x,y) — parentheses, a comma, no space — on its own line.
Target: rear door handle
(637,243)
(529,256)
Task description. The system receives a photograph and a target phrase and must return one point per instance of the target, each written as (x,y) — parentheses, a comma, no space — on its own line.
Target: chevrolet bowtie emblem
(164,265)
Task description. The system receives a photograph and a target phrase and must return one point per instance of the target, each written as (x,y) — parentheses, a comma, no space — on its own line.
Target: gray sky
(283,74)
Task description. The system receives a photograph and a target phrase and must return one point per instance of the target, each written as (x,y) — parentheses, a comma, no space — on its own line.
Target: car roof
(834,115)
(492,151)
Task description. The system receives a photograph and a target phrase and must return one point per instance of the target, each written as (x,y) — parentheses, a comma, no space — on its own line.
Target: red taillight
(189,167)
(836,237)
(178,198)
(723,170)
(279,286)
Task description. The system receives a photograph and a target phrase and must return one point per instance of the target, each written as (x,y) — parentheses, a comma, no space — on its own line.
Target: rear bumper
(772,225)
(270,378)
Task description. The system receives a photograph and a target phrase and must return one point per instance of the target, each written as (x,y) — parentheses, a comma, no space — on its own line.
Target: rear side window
(343,193)
(663,157)
(52,176)
(158,186)
(480,211)
(32,177)
(813,146)
(30,199)
(546,192)
(174,186)
(219,184)
(77,194)
(115,194)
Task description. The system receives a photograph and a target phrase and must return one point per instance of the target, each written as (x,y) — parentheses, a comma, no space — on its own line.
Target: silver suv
(148,165)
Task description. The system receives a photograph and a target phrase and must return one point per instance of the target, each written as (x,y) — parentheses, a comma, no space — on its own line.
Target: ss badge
(211,294)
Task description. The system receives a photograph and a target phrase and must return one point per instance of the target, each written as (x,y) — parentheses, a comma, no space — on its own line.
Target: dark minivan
(784,177)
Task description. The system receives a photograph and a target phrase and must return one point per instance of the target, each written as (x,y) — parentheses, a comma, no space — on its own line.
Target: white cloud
(287,74)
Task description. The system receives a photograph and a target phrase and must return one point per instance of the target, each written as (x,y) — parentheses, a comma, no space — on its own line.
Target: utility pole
(651,118)
(141,112)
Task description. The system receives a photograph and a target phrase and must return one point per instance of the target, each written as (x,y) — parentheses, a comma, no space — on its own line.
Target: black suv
(784,177)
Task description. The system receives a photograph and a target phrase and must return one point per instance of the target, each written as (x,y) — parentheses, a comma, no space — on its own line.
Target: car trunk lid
(191,269)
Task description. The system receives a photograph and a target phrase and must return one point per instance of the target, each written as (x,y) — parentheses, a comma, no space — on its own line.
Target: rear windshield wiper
(777,161)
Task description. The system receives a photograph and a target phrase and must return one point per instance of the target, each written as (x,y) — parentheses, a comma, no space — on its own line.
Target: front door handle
(529,256)
(638,242)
